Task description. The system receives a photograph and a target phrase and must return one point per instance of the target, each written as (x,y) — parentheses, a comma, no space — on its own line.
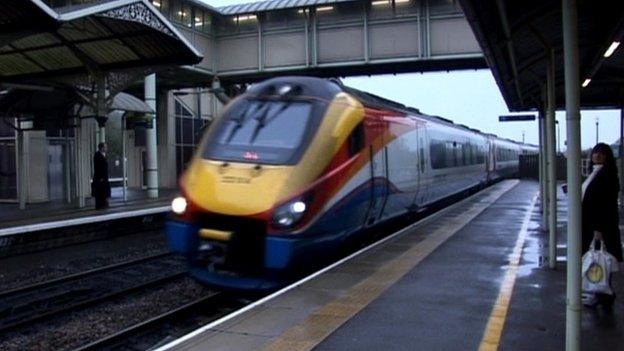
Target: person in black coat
(100,187)
(600,215)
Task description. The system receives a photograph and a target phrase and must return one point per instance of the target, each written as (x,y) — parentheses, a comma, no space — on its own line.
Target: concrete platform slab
(473,277)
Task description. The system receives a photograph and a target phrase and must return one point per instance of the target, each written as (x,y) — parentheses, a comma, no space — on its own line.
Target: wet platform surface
(475,276)
(12,216)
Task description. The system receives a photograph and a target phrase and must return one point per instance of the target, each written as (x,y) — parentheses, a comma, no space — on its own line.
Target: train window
(356,139)
(450,154)
(437,154)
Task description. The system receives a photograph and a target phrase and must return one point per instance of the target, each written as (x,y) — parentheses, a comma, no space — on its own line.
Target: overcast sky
(471,98)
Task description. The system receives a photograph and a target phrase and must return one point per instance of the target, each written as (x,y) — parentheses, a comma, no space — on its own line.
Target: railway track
(172,324)
(35,302)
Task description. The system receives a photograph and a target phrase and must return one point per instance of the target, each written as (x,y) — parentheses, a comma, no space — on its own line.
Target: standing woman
(600,202)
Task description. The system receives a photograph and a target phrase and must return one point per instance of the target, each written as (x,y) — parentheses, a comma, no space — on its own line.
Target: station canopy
(122,39)
(515,37)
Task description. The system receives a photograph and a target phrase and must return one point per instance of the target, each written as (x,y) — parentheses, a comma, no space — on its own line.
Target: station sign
(516,118)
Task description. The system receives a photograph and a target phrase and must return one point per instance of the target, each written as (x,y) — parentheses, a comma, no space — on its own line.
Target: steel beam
(573,118)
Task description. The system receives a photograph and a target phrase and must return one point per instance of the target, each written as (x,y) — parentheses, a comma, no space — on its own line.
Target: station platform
(11,216)
(472,276)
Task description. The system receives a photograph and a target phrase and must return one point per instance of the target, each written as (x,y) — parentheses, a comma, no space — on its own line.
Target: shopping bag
(597,267)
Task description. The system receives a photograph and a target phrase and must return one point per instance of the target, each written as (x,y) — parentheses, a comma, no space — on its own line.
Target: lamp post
(596,130)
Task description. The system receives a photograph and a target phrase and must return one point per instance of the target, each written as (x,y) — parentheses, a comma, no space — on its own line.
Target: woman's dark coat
(600,212)
(100,188)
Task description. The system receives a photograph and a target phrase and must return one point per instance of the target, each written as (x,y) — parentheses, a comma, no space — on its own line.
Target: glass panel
(177,11)
(187,131)
(442,7)
(179,160)
(406,7)
(5,129)
(226,25)
(8,174)
(207,27)
(247,23)
(178,130)
(282,19)
(380,9)
(330,14)
(187,15)
(162,5)
(198,19)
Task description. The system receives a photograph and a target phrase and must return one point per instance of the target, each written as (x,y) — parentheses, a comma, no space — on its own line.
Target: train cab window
(356,140)
(267,131)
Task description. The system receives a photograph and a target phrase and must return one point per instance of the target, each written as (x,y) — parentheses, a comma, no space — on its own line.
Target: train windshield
(261,131)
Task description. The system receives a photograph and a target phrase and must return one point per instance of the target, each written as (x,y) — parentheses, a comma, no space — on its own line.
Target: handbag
(597,267)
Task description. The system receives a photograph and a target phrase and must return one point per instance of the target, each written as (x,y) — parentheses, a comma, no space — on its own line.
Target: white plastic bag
(596,269)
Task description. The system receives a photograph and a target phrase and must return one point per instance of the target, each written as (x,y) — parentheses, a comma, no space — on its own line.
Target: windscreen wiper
(262,119)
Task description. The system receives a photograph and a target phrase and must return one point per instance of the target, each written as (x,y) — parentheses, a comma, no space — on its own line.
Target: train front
(259,181)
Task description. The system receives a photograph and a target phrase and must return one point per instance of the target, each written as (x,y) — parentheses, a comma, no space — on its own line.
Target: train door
(379,181)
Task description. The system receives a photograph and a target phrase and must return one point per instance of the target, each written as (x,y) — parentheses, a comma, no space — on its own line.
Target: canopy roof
(515,35)
(271,5)
(38,43)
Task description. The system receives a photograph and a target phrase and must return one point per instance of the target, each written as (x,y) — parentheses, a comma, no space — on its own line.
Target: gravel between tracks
(77,258)
(82,327)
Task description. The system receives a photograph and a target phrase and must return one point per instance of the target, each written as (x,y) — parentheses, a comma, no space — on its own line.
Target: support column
(551,157)
(573,118)
(101,110)
(22,180)
(150,142)
(621,156)
(544,178)
(80,193)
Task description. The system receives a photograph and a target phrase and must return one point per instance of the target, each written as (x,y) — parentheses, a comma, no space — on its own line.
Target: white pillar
(22,180)
(551,157)
(150,139)
(621,156)
(80,193)
(573,118)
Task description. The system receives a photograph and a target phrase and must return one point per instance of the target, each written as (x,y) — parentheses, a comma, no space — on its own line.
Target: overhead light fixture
(380,2)
(611,48)
(156,3)
(586,82)
(324,8)
(302,11)
(401,1)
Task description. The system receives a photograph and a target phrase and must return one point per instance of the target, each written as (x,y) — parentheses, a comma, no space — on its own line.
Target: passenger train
(296,166)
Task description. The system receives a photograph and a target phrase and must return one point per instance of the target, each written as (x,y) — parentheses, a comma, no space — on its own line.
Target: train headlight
(287,215)
(178,205)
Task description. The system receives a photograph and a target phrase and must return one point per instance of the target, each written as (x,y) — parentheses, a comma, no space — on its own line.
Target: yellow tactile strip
(496,322)
(321,323)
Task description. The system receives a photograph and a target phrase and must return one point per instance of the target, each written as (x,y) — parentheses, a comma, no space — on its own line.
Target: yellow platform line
(325,320)
(496,322)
